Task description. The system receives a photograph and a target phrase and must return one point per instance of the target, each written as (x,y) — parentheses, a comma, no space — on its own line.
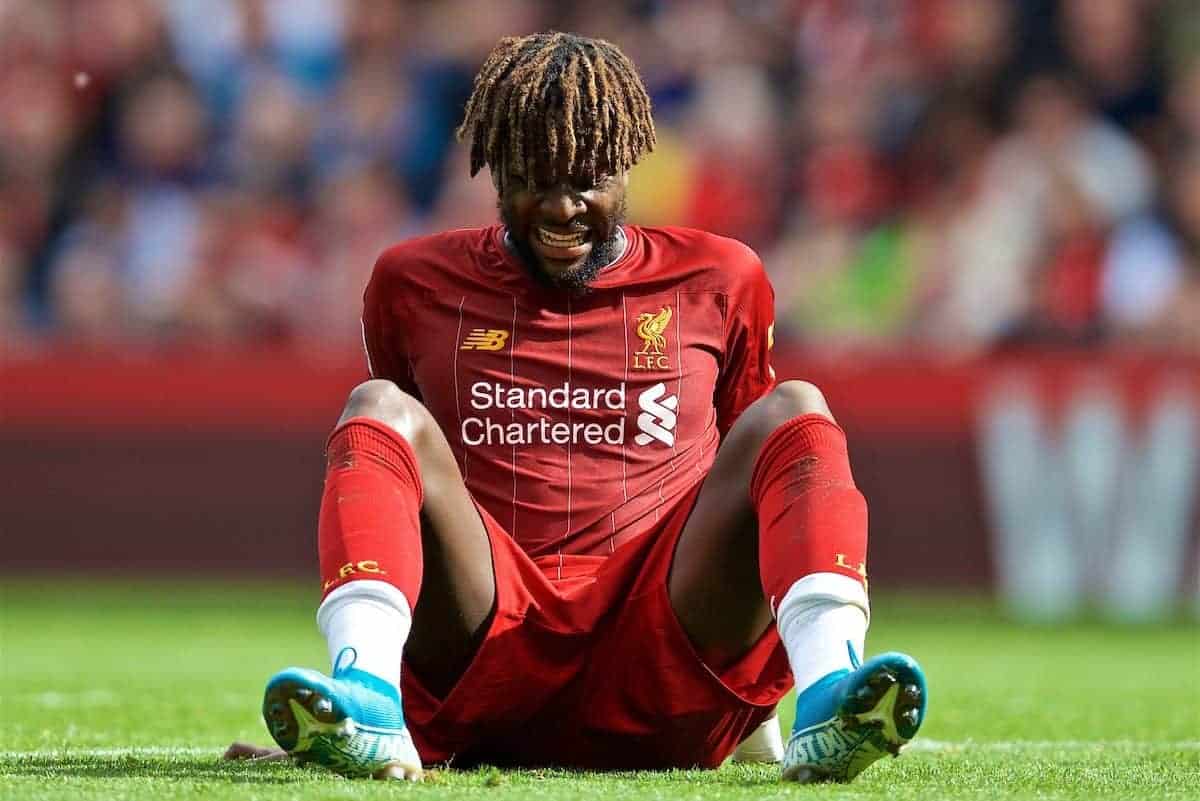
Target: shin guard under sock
(811,517)
(370,526)
(812,524)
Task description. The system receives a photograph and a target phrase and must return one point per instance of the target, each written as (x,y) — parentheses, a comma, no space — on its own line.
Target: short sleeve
(383,331)
(746,372)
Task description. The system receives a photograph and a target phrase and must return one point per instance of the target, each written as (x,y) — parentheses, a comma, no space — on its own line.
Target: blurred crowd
(966,175)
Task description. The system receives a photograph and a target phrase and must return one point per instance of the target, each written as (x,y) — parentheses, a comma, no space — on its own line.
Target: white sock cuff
(380,593)
(820,589)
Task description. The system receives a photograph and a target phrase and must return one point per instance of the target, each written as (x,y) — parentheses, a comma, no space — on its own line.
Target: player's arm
(746,374)
(383,328)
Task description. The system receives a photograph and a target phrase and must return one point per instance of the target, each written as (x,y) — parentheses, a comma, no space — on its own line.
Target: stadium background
(981,217)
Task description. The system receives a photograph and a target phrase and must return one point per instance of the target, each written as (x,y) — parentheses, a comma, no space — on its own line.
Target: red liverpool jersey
(576,420)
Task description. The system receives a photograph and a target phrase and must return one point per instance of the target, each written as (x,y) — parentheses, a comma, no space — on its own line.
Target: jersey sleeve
(746,372)
(384,335)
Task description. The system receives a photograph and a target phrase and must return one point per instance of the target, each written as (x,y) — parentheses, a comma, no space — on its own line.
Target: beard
(578,280)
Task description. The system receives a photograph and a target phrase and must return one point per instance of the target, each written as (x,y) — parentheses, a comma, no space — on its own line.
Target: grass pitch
(131,690)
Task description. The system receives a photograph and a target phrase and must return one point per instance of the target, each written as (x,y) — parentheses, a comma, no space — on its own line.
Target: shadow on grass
(492,776)
(156,767)
(193,768)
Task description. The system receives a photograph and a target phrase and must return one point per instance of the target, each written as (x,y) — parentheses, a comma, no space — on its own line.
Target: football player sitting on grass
(573,518)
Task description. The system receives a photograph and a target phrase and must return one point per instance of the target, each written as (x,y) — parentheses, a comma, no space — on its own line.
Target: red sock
(811,517)
(370,525)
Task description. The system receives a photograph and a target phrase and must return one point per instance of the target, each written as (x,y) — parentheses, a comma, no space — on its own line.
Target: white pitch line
(133,751)
(925,744)
(921,744)
(57,700)
(96,698)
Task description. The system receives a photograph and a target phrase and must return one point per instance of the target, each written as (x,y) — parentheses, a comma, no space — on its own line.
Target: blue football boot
(351,723)
(852,717)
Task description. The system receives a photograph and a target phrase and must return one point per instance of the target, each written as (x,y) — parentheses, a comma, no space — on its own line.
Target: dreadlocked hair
(554,100)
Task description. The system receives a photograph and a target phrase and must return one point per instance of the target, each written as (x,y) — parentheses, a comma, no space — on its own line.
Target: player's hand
(254,752)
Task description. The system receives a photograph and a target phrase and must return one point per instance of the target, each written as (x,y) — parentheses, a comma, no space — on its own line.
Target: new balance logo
(657,419)
(484,339)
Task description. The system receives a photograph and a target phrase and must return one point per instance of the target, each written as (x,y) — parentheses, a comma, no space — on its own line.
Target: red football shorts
(585,665)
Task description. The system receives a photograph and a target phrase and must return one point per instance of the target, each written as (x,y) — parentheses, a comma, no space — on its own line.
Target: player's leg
(457,585)
(812,557)
(723,609)
(716,584)
(787,458)
(396,523)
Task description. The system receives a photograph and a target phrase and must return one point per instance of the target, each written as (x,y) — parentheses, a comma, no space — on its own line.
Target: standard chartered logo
(656,419)
(486,396)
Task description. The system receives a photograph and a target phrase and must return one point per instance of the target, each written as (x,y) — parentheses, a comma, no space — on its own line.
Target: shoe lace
(338,666)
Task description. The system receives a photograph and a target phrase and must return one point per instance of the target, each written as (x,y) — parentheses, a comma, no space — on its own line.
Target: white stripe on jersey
(512,382)
(462,446)
(570,334)
(679,365)
(625,358)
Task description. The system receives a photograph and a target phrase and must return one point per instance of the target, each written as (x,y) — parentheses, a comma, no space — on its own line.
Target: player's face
(565,230)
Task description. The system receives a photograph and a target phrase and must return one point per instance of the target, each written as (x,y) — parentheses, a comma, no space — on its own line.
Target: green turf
(131,690)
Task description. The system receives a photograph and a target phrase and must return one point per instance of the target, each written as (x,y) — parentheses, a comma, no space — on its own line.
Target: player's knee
(791,399)
(383,401)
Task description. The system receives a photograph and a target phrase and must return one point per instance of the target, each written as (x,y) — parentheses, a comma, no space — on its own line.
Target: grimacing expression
(565,229)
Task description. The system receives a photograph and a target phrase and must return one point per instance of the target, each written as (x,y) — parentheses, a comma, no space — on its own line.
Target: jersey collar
(507,243)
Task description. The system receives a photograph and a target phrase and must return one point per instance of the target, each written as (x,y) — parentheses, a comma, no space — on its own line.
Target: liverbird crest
(650,328)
